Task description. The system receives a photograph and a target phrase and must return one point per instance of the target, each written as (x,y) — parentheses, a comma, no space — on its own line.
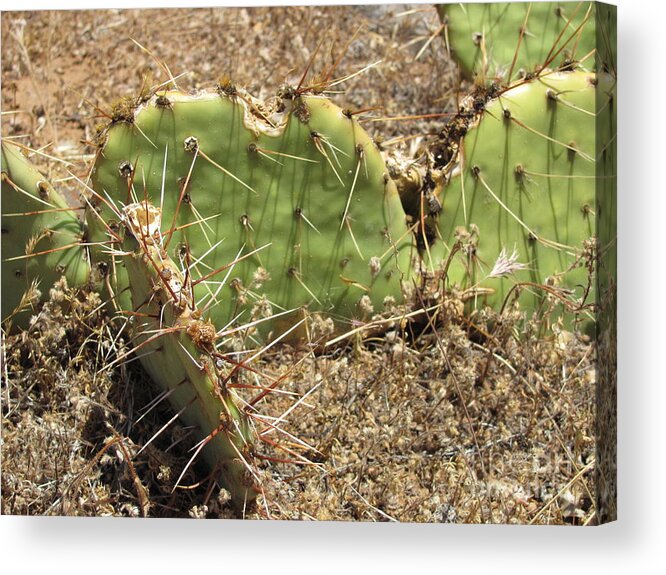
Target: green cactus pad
(528,182)
(300,183)
(485,38)
(177,349)
(40,236)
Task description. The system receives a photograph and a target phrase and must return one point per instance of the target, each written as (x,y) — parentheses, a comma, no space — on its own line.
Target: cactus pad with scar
(525,184)
(290,200)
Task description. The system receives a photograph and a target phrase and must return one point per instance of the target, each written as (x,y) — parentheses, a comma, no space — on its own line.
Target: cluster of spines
(514,180)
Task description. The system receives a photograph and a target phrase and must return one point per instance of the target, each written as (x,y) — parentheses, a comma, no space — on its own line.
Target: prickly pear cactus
(291,199)
(177,348)
(41,237)
(522,194)
(499,40)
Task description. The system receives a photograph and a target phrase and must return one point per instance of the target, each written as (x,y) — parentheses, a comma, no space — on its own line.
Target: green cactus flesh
(485,38)
(41,236)
(527,182)
(301,186)
(177,348)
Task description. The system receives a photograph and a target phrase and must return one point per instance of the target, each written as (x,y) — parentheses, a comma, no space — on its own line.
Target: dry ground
(488,420)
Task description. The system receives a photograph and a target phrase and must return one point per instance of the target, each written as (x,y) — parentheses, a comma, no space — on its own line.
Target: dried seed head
(260,277)
(203,334)
(506,265)
(365,306)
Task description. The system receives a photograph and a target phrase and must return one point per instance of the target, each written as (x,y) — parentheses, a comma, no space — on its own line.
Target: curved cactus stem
(177,348)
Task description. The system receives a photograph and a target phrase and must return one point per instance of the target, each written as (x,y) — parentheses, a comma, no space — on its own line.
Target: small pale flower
(506,265)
